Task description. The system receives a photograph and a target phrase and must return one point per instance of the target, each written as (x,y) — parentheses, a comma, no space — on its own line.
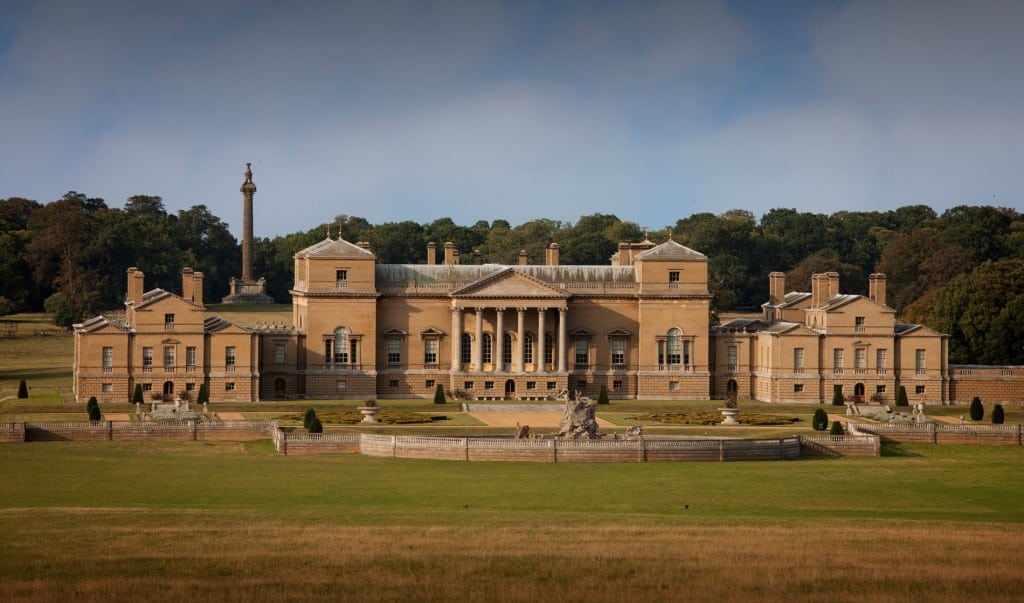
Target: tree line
(960,272)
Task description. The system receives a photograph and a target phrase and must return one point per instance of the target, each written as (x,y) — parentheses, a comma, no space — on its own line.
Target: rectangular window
(919,366)
(798,388)
(146,387)
(732,357)
(919,390)
(618,352)
(798,360)
(190,358)
(147,360)
(190,387)
(467,349)
(673,386)
(431,383)
(879,389)
(341,278)
(169,358)
(392,383)
(860,361)
(673,279)
(548,351)
(686,354)
(430,351)
(485,351)
(506,349)
(488,385)
(528,349)
(467,385)
(168,322)
(531,385)
(229,386)
(552,384)
(617,384)
(880,361)
(108,359)
(229,358)
(394,351)
(675,350)
(107,388)
(340,384)
(837,361)
(582,352)
(858,323)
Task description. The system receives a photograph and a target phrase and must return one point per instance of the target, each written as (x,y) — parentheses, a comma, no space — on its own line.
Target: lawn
(230,521)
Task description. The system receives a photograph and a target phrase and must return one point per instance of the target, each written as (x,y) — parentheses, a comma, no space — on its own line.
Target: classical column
(499,341)
(248,190)
(456,339)
(562,314)
(543,340)
(521,336)
(478,344)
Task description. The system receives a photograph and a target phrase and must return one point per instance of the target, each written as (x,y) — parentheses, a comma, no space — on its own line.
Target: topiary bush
(837,429)
(901,397)
(22,389)
(307,419)
(997,415)
(819,422)
(203,396)
(977,411)
(315,426)
(837,397)
(93,408)
(137,396)
(602,396)
(439,395)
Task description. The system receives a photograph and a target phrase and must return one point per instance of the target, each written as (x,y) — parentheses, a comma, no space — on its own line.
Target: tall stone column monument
(247,290)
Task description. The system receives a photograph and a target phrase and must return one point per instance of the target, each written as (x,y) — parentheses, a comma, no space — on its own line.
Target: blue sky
(479,110)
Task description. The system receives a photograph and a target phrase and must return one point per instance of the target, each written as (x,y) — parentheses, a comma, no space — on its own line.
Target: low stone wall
(539,450)
(80,431)
(936,433)
(840,445)
(12,432)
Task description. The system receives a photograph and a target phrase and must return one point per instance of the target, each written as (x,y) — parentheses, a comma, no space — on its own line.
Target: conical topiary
(819,422)
(439,395)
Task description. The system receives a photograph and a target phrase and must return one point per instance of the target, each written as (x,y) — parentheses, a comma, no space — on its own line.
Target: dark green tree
(137,395)
(93,408)
(977,410)
(22,389)
(439,394)
(602,396)
(204,394)
(307,418)
(315,426)
(837,429)
(998,416)
(901,397)
(819,422)
(837,396)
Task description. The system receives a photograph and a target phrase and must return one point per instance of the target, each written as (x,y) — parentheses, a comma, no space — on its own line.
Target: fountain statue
(578,421)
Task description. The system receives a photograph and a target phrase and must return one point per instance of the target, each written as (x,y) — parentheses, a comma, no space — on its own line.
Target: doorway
(510,389)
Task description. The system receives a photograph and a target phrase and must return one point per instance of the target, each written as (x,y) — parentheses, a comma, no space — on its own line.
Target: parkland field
(225,521)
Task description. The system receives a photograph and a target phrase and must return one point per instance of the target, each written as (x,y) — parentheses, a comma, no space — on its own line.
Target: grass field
(226,521)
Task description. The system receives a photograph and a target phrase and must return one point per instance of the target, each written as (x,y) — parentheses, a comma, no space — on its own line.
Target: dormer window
(341,278)
(168,322)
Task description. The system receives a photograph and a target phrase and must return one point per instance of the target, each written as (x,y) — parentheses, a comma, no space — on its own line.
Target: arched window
(486,357)
(467,349)
(528,349)
(675,346)
(341,347)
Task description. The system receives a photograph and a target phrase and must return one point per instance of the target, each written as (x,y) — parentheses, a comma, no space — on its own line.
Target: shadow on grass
(897,450)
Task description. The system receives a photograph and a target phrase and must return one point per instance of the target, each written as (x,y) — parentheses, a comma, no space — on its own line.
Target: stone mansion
(639,326)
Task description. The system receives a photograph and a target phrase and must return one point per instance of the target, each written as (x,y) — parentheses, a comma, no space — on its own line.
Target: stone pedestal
(729,416)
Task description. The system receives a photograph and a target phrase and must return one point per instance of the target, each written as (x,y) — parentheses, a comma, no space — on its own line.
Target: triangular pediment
(101,324)
(431,332)
(509,284)
(216,324)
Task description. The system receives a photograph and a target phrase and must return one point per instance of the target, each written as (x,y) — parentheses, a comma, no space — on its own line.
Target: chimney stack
(776,287)
(136,280)
(551,255)
(186,283)
(365,245)
(833,284)
(197,288)
(477,258)
(450,253)
(522,257)
(431,253)
(819,290)
(876,288)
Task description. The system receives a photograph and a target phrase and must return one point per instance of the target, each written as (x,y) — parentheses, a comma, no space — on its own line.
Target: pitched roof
(331,248)
(154,295)
(98,322)
(509,282)
(670,249)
